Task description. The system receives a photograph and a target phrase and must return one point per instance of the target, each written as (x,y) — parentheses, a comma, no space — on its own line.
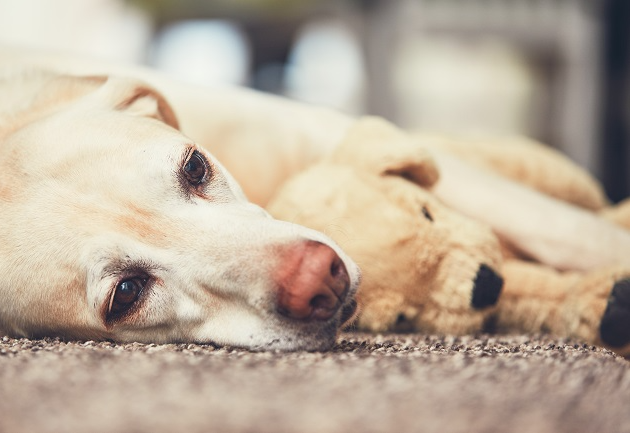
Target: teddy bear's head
(425,267)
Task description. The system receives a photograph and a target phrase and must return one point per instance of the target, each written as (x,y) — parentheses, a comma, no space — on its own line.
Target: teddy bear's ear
(376,145)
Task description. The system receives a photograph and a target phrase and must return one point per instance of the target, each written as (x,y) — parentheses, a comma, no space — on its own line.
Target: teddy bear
(429,268)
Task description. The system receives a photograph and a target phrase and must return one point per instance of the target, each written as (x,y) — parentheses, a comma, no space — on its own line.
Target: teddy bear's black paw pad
(486,288)
(615,326)
(403,323)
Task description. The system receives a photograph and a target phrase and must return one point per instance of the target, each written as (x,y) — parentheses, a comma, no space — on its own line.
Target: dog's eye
(126,294)
(427,214)
(196,169)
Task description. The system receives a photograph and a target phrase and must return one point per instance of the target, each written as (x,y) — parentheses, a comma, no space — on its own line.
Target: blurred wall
(108,29)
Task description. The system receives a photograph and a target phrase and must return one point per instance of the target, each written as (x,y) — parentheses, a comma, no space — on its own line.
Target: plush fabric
(429,268)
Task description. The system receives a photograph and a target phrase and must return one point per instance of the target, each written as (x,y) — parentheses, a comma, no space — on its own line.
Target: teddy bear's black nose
(487,287)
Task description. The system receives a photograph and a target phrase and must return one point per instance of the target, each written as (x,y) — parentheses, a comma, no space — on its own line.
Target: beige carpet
(388,383)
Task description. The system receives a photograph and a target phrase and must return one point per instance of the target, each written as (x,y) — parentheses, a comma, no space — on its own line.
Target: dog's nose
(312,282)
(487,287)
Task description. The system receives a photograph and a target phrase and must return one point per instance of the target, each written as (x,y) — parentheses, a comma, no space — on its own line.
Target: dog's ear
(375,145)
(137,98)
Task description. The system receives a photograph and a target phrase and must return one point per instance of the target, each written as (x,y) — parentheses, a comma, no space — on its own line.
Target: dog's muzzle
(313,283)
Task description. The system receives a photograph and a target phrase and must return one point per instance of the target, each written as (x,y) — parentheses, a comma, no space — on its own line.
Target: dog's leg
(619,213)
(593,306)
(548,230)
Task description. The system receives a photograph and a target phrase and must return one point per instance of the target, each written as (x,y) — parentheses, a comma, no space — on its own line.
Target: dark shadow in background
(615,152)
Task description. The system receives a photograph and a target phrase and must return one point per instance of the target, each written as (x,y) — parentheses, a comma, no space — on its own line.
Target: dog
(115,225)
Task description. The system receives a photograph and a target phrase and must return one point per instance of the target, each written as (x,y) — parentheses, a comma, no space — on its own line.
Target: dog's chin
(315,336)
(309,337)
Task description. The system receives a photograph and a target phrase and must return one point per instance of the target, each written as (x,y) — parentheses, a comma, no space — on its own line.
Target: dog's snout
(487,287)
(312,282)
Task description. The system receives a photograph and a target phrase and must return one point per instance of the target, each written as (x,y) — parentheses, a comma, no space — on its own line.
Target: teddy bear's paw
(406,320)
(397,321)
(390,313)
(614,329)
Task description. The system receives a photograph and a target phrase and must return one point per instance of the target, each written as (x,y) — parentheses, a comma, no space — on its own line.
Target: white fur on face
(100,199)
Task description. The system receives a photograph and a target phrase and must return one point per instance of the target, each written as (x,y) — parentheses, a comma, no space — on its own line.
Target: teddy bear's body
(537,297)
(429,268)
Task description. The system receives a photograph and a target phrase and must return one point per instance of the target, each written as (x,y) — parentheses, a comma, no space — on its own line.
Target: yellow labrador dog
(113,224)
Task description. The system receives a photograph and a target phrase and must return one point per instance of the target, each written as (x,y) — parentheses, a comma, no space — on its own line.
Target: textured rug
(367,383)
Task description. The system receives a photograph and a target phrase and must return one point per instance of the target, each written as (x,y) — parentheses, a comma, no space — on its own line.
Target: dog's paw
(614,328)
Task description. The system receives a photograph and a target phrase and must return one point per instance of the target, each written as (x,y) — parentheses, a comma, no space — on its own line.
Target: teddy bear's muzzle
(486,287)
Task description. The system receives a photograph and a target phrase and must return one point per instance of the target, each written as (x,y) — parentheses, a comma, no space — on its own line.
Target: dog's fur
(93,193)
(262,140)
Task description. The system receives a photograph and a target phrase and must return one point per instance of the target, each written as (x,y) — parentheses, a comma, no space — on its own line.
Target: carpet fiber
(367,383)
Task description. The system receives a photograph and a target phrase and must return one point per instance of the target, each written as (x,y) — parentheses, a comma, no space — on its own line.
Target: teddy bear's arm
(537,298)
(532,297)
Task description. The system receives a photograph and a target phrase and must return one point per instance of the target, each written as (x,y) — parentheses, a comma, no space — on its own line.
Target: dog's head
(113,224)
(424,266)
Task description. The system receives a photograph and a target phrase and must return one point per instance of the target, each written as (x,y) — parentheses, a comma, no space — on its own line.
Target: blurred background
(555,70)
